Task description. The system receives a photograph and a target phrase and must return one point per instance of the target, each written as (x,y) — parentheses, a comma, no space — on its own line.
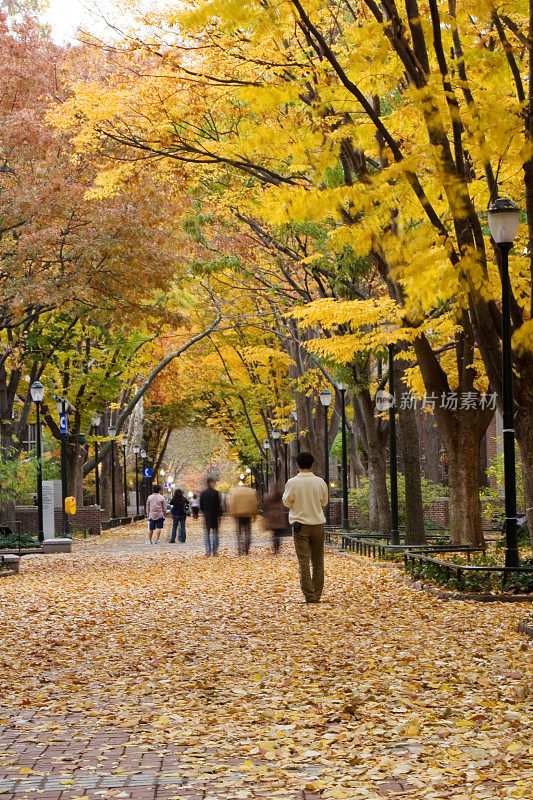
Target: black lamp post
(113,432)
(294,416)
(266,447)
(124,443)
(275,436)
(395,531)
(285,430)
(345,521)
(62,407)
(96,424)
(504,218)
(37,395)
(136,451)
(325,399)
(143,456)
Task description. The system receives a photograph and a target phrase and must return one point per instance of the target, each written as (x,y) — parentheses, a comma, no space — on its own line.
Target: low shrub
(12,541)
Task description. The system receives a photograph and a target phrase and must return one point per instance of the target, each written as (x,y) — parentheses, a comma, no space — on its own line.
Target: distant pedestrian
(305,496)
(211,508)
(275,516)
(156,508)
(195,505)
(243,507)
(179,508)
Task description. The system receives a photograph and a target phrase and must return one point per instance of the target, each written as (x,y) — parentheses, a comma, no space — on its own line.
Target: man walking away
(211,508)
(156,508)
(305,496)
(243,507)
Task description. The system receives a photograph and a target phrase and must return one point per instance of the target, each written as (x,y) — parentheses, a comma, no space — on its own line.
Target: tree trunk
(524,430)
(465,508)
(414,508)
(373,514)
(408,419)
(377,464)
(431,468)
(76,454)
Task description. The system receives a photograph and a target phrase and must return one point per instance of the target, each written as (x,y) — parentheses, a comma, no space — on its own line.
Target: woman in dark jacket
(274,516)
(179,508)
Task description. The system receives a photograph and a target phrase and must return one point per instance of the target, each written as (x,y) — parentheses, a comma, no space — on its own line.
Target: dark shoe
(172,541)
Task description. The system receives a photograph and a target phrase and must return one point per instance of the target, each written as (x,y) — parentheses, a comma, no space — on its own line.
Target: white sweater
(304,496)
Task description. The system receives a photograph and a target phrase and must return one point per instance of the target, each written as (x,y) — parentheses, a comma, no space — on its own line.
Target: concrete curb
(7,573)
(471,596)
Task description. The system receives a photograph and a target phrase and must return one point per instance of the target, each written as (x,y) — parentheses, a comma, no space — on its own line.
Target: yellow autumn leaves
(215,667)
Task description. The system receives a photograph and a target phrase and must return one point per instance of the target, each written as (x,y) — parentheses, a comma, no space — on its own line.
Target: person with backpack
(179,508)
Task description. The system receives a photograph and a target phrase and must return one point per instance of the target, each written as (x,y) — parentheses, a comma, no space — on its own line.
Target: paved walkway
(150,673)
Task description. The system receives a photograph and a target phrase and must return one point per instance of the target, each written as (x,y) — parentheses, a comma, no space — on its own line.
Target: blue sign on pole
(63,423)
(147,472)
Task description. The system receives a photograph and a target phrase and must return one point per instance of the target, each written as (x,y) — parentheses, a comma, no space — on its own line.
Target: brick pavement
(84,760)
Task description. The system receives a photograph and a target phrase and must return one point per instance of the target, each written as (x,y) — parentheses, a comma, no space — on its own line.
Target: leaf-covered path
(144,672)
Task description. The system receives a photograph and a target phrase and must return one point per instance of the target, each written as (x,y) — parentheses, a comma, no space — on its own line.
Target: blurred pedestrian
(243,507)
(156,508)
(305,496)
(211,508)
(179,508)
(195,505)
(275,516)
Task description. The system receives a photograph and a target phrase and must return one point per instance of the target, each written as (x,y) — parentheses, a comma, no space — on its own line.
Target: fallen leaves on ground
(379,691)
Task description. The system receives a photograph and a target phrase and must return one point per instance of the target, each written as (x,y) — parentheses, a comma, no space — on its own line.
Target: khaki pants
(309,546)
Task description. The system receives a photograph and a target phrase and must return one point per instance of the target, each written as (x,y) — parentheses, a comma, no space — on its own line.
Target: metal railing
(414,557)
(373,545)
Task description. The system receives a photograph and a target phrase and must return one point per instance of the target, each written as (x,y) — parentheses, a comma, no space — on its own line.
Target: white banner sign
(48,510)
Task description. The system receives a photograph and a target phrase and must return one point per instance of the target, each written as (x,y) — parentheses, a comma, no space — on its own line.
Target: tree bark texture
(408,424)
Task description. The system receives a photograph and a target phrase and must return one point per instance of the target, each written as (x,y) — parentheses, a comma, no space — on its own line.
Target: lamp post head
(96,420)
(275,435)
(504,218)
(143,453)
(342,387)
(37,392)
(325,397)
(112,431)
(136,450)
(61,405)
(266,444)
(124,441)
(294,415)
(285,427)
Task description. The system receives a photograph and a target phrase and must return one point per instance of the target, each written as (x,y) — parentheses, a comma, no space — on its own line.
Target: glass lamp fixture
(504,218)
